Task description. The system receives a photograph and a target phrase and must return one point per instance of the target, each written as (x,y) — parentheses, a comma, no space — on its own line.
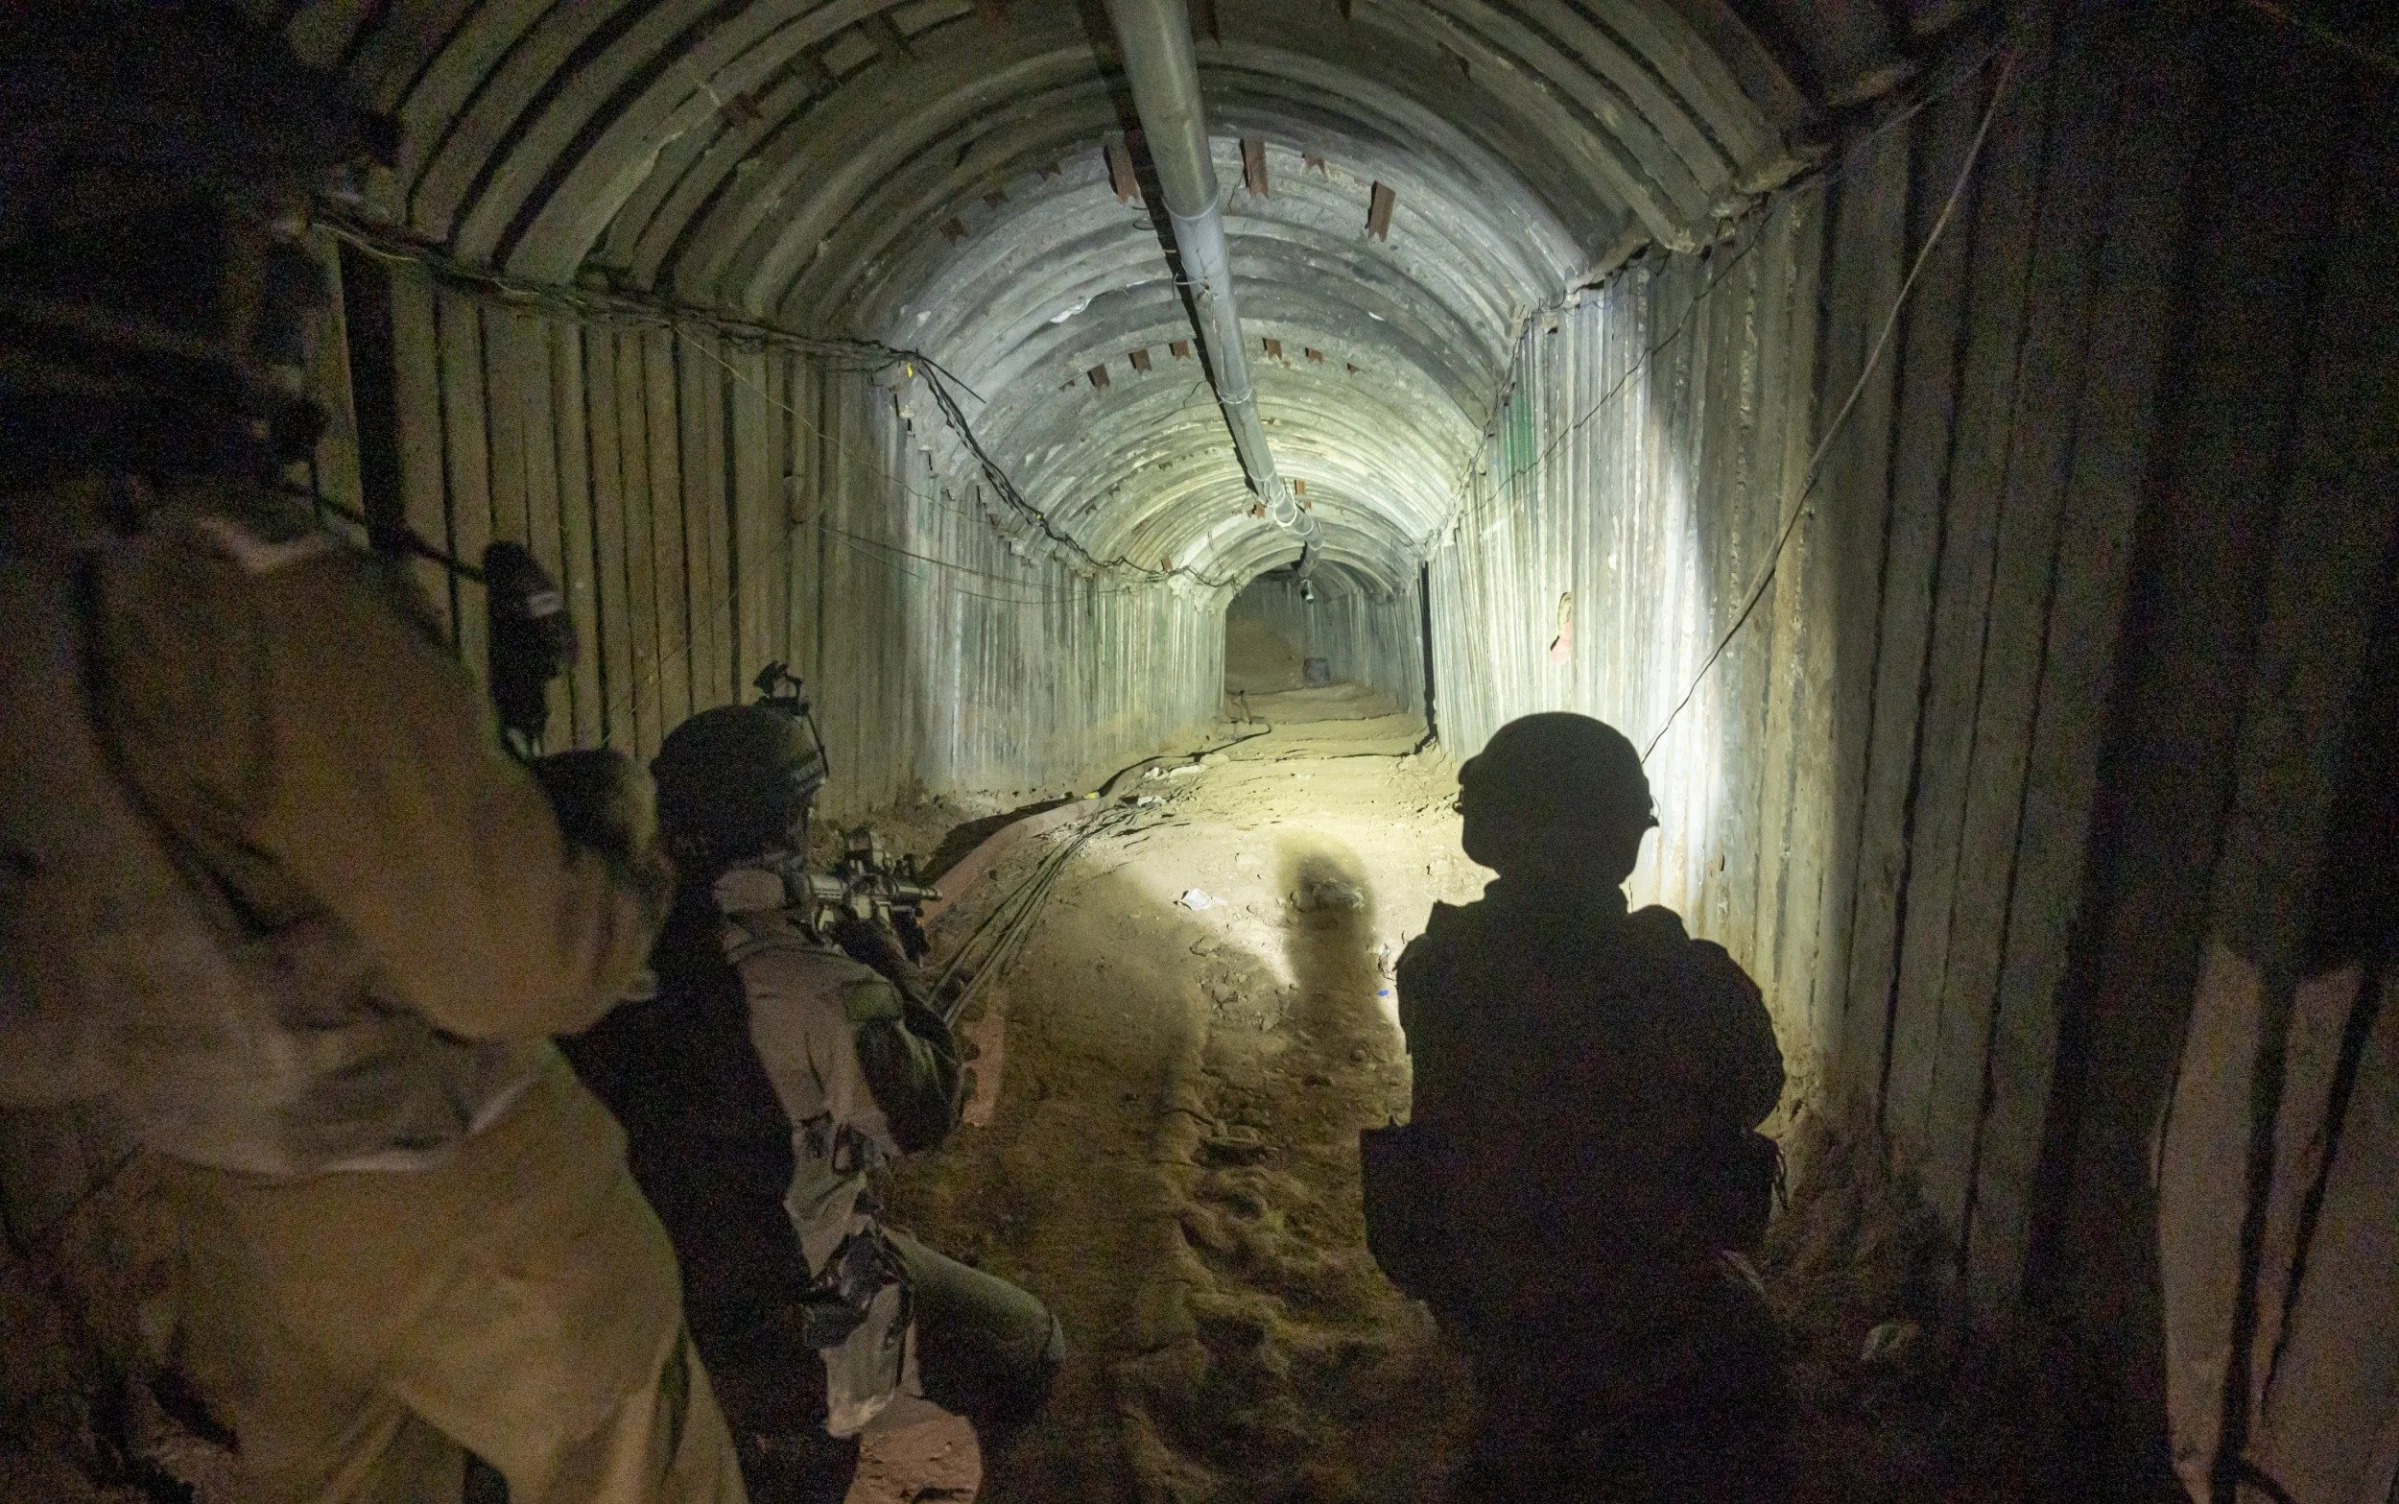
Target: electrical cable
(1034,890)
(620,310)
(1819,178)
(1006,487)
(1814,471)
(1016,911)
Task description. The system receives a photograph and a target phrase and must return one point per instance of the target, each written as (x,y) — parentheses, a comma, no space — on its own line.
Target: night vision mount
(780,689)
(869,883)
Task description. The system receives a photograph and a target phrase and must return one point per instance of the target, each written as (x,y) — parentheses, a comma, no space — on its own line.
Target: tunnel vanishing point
(1958,441)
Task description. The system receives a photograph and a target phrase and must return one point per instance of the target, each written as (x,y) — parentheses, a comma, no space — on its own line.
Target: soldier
(768,1076)
(1581,1145)
(278,905)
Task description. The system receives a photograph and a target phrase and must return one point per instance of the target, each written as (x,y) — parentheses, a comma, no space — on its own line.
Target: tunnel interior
(1953,441)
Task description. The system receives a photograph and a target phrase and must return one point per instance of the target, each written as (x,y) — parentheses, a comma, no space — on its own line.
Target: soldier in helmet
(1581,1149)
(770,1073)
(280,911)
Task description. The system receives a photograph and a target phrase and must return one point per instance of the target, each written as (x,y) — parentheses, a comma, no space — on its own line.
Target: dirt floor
(1199,1026)
(1191,1042)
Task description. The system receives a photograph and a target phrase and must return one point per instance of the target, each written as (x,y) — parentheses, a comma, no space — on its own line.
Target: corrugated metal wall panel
(711,504)
(1633,484)
(1843,791)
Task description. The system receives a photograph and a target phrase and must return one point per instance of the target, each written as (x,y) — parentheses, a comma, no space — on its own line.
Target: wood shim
(1120,173)
(1253,166)
(1378,211)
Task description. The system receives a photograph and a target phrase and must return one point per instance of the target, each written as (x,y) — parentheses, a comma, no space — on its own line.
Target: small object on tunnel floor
(1195,900)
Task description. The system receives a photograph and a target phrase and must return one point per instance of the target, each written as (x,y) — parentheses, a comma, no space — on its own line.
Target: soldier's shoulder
(1448,928)
(770,943)
(1718,973)
(1661,926)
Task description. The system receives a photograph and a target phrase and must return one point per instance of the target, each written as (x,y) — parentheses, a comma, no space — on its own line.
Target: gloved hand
(874,945)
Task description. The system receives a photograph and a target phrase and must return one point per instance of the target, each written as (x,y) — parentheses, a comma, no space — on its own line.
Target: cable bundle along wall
(710,504)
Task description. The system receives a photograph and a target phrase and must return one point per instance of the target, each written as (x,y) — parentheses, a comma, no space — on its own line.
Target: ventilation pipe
(1155,36)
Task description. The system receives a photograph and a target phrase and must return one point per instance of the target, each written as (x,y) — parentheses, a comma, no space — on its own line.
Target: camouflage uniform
(408,1228)
(760,1088)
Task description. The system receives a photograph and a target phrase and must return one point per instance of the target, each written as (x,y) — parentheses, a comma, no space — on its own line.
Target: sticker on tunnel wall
(1561,647)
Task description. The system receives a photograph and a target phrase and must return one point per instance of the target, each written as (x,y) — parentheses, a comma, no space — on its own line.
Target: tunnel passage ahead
(1857,404)
(1200,1025)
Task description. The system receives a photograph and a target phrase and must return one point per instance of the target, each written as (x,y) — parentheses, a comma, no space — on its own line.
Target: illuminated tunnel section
(1855,403)
(1860,404)
(1406,183)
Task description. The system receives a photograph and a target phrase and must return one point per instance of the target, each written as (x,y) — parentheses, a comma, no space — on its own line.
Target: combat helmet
(736,781)
(1553,787)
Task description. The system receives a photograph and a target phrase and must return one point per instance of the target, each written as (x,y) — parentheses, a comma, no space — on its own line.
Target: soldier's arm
(1747,1062)
(910,1061)
(296,711)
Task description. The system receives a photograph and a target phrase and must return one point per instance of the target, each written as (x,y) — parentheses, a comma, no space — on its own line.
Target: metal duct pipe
(1159,62)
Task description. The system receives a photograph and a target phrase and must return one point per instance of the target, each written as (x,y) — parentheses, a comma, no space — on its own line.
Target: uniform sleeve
(297,713)
(1747,1064)
(910,1060)
(836,1038)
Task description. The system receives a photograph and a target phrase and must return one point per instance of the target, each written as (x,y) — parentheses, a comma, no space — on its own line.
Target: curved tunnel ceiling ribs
(936,175)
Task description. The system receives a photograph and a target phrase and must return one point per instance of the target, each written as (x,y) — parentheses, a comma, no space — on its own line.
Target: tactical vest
(232,1027)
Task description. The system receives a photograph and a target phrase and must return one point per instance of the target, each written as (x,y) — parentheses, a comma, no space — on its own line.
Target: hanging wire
(1958,77)
(1015,913)
(1814,471)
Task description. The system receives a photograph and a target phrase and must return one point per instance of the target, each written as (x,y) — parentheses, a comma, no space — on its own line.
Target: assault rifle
(869,884)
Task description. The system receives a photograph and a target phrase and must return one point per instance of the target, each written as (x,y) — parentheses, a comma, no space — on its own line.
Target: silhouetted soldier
(1586,1086)
(770,1074)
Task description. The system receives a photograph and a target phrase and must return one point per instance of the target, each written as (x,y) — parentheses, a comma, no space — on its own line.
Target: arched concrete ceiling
(934,175)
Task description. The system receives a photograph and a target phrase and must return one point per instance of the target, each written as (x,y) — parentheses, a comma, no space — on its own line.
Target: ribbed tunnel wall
(714,502)
(1653,437)
(1041,546)
(1876,747)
